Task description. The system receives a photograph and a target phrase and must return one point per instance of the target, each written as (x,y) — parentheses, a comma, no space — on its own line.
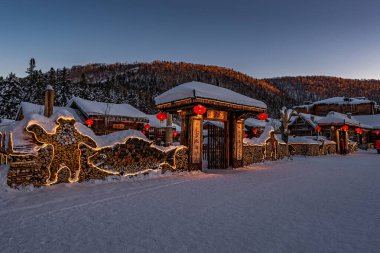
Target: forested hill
(312,88)
(136,84)
(139,83)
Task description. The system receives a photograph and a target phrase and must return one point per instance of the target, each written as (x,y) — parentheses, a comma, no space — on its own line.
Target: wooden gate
(214,148)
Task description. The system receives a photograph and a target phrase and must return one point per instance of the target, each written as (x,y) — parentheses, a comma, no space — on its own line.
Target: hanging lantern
(318,128)
(254,130)
(144,132)
(245,135)
(377,132)
(262,116)
(332,128)
(175,133)
(344,128)
(199,109)
(147,126)
(161,116)
(89,122)
(358,130)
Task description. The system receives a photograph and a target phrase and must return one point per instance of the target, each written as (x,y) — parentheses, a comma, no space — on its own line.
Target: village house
(355,106)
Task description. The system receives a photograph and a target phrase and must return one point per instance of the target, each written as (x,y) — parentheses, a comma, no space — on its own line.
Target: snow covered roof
(94,108)
(154,122)
(194,90)
(372,120)
(309,140)
(309,118)
(28,109)
(338,100)
(340,119)
(252,122)
(344,100)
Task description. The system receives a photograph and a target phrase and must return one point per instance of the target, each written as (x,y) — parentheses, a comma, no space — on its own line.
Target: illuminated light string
(79,168)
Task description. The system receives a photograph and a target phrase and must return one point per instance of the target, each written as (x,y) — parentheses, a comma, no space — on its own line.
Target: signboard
(239,140)
(118,126)
(196,145)
(216,115)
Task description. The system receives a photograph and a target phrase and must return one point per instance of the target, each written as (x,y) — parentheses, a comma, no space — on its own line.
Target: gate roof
(197,92)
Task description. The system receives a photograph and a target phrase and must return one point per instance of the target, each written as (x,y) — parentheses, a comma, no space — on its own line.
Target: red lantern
(262,116)
(161,116)
(345,127)
(143,131)
(175,133)
(358,130)
(199,109)
(245,135)
(318,128)
(377,132)
(147,126)
(89,122)
(254,131)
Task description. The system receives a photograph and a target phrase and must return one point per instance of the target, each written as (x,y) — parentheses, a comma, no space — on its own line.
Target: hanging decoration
(89,122)
(358,130)
(161,116)
(377,132)
(175,133)
(199,109)
(262,116)
(318,128)
(254,130)
(147,126)
(245,135)
(344,128)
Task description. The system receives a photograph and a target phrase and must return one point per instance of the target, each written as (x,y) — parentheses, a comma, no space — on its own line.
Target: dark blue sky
(261,38)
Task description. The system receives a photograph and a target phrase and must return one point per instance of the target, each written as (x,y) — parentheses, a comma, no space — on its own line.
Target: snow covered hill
(321,204)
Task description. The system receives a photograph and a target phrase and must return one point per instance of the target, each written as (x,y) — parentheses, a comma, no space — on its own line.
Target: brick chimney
(49,101)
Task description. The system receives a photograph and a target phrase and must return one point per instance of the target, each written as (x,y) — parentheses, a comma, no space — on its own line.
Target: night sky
(260,38)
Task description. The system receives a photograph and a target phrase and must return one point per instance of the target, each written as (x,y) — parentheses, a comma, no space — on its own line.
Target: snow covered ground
(320,204)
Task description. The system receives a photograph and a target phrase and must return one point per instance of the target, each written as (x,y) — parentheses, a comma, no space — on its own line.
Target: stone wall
(309,149)
(66,155)
(259,153)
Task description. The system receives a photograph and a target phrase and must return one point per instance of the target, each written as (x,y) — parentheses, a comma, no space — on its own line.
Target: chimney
(49,101)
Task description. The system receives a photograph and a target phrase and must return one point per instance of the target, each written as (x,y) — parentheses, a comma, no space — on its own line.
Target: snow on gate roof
(207,91)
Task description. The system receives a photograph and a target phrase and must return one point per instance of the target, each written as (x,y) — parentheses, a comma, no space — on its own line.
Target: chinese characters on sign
(118,126)
(216,115)
(196,141)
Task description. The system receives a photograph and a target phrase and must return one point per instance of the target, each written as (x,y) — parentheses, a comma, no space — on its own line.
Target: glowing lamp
(161,116)
(262,116)
(143,131)
(89,122)
(358,130)
(254,131)
(147,126)
(199,109)
(245,135)
(345,127)
(175,133)
(318,128)
(377,132)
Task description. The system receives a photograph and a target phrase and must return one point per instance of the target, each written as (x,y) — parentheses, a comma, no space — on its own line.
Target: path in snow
(321,204)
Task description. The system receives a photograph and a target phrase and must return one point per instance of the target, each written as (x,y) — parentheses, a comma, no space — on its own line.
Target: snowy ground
(321,204)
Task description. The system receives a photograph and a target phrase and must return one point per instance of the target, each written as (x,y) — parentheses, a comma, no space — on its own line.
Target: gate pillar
(195,143)
(237,142)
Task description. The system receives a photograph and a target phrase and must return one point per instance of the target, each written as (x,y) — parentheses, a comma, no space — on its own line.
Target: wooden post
(337,141)
(237,141)
(169,130)
(49,101)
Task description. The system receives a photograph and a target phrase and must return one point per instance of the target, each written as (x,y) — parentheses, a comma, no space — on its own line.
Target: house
(354,106)
(156,130)
(104,118)
(303,124)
